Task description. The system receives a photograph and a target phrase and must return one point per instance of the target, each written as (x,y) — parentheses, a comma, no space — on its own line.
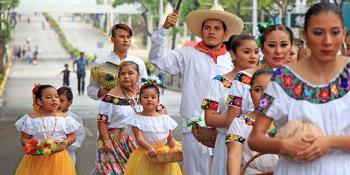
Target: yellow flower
(204,102)
(116,100)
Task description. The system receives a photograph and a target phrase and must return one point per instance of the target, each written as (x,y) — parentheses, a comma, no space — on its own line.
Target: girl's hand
(60,147)
(319,147)
(294,145)
(108,146)
(152,152)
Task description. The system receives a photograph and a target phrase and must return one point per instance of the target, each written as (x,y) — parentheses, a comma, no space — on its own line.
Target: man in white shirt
(197,66)
(121,39)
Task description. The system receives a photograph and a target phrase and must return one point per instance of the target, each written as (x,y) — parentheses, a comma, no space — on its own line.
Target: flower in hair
(35,88)
(261,28)
(152,80)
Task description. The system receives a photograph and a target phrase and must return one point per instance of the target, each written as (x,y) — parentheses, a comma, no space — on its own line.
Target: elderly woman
(114,143)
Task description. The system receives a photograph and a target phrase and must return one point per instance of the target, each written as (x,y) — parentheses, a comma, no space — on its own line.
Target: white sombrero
(195,19)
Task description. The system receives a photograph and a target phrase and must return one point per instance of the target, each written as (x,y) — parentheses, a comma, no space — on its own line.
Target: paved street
(52,57)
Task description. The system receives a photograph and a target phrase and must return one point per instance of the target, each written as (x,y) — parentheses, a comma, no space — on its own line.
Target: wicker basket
(205,135)
(168,157)
(247,164)
(105,74)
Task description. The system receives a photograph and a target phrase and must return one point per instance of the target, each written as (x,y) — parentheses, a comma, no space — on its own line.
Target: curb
(4,83)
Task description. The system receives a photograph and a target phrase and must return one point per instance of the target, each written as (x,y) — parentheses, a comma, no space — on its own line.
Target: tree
(148,7)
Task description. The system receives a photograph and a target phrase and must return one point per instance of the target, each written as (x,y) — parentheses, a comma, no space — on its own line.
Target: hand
(319,147)
(108,146)
(60,147)
(293,145)
(102,92)
(171,20)
(151,152)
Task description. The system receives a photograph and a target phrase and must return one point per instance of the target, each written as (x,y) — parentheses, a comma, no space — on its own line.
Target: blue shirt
(81,64)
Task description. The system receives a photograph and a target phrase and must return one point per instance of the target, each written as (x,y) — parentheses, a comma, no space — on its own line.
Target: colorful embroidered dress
(115,110)
(239,95)
(289,97)
(40,128)
(155,130)
(239,131)
(216,100)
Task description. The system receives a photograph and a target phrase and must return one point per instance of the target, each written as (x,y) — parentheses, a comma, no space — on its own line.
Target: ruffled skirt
(140,164)
(56,164)
(114,162)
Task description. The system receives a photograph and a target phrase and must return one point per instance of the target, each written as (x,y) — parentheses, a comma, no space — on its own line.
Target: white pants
(196,156)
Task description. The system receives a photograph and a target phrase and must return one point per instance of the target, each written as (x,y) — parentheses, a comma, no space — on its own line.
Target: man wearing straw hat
(197,66)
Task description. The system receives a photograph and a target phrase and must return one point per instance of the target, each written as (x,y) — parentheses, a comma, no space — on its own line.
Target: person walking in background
(65,73)
(81,63)
(121,39)
(65,96)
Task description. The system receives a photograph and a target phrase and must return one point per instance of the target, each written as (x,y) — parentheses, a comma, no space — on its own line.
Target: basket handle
(250,161)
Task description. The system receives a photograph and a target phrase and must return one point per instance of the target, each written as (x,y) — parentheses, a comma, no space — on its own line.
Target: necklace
(47,134)
(133,103)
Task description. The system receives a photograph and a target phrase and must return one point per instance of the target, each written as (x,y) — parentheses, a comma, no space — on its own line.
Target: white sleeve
(25,124)
(105,111)
(171,61)
(93,87)
(237,132)
(212,99)
(80,134)
(143,70)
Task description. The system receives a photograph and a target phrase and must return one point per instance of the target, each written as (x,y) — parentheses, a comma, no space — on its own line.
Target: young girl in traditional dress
(114,143)
(66,99)
(244,52)
(316,87)
(152,131)
(240,128)
(49,125)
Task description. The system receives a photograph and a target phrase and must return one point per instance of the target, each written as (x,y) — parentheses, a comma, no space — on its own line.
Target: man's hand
(171,20)
(102,92)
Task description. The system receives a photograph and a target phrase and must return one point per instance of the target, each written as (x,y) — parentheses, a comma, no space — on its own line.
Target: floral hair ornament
(152,80)
(261,28)
(35,90)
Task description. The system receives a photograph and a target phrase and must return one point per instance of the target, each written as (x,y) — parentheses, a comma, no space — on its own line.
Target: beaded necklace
(47,135)
(132,102)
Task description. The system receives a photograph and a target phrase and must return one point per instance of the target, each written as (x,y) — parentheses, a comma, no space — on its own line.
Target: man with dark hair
(121,38)
(197,65)
(81,63)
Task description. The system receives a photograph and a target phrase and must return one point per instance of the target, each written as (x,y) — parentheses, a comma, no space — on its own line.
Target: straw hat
(195,19)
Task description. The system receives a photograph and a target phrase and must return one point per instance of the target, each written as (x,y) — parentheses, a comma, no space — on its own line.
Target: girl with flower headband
(114,142)
(316,88)
(244,52)
(152,130)
(45,135)
(239,153)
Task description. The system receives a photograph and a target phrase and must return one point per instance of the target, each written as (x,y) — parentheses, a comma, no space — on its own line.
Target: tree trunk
(145,19)
(2,45)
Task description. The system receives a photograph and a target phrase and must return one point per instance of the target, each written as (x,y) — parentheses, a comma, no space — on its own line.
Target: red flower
(287,81)
(324,94)
(246,79)
(35,89)
(298,89)
(27,148)
(107,98)
(214,105)
(238,101)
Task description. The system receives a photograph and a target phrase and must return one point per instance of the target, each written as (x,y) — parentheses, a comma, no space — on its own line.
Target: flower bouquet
(45,147)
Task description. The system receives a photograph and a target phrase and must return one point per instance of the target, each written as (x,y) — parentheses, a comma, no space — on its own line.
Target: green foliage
(75,52)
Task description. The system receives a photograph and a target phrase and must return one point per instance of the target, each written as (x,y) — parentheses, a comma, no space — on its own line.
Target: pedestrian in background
(65,73)
(81,63)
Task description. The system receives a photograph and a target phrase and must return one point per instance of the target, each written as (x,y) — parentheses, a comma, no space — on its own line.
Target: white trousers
(196,156)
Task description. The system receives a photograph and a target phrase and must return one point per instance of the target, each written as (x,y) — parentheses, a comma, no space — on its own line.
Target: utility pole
(255,17)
